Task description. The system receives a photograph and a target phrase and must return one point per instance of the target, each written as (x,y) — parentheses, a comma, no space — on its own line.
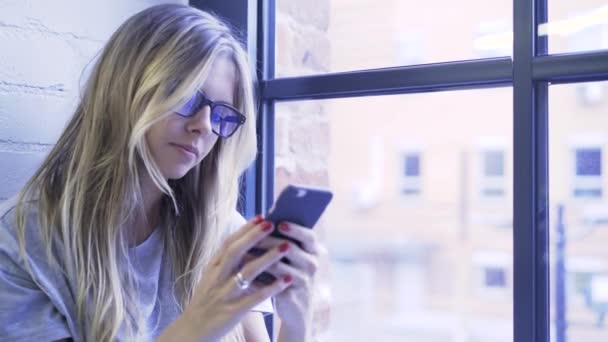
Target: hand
(294,304)
(218,303)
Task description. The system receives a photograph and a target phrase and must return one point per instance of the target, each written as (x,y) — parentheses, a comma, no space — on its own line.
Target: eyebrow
(212,100)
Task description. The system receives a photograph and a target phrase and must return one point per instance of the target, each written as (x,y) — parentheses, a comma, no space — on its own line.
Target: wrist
(294,332)
(182,329)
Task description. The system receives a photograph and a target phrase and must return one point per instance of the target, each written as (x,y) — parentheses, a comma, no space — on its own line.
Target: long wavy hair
(87,190)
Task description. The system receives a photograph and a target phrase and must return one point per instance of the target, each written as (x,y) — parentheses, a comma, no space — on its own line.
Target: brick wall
(45,46)
(302,128)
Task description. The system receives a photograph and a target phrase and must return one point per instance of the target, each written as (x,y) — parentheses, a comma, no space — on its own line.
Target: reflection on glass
(576,26)
(578,145)
(420,230)
(323,36)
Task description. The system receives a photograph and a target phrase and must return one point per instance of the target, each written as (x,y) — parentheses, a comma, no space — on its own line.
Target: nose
(200,123)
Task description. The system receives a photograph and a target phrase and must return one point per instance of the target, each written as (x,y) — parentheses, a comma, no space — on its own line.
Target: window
(493,38)
(492,270)
(589,162)
(576,27)
(411,174)
(315,37)
(495,277)
(579,219)
(494,165)
(588,173)
(400,208)
(493,173)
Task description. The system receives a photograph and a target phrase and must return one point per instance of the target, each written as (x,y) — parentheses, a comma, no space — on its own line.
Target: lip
(187,148)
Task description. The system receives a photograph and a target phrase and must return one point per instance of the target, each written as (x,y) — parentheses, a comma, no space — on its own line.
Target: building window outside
(491,272)
(495,277)
(411,185)
(588,173)
(493,173)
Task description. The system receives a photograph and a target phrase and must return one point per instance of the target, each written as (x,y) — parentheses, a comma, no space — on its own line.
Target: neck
(148,218)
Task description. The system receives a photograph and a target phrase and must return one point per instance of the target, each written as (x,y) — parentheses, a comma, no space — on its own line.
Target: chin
(177,173)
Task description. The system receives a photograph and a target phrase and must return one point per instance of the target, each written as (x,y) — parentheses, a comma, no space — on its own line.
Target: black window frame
(528,71)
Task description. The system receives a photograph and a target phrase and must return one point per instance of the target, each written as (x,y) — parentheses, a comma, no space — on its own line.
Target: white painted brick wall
(44,47)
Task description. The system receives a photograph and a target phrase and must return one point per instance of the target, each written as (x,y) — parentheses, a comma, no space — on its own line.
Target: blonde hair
(88,188)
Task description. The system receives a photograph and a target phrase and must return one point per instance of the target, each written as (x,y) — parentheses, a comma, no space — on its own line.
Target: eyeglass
(225,119)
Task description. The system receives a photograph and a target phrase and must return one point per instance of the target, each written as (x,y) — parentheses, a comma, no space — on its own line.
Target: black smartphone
(299,204)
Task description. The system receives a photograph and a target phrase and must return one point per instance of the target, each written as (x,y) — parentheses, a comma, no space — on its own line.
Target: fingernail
(284,247)
(288,278)
(284,227)
(266,226)
(257,219)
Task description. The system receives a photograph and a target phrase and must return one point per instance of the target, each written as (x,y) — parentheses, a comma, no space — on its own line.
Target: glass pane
(412,165)
(494,161)
(314,37)
(578,145)
(417,250)
(589,162)
(576,26)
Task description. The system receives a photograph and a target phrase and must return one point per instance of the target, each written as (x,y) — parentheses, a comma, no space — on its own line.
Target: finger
(249,225)
(303,261)
(306,236)
(258,265)
(252,299)
(236,249)
(265,244)
(281,269)
(244,229)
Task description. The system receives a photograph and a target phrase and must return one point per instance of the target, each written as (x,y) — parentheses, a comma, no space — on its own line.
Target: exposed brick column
(302,128)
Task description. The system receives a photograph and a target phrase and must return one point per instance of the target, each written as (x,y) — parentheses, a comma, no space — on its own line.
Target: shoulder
(8,230)
(9,241)
(33,305)
(8,224)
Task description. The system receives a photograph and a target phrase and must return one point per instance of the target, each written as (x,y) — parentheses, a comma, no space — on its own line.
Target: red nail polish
(257,219)
(284,227)
(284,247)
(266,226)
(288,278)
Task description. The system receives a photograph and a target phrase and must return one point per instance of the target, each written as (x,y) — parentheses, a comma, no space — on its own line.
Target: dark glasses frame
(201,101)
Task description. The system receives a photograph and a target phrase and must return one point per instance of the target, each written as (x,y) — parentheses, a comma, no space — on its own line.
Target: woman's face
(179,143)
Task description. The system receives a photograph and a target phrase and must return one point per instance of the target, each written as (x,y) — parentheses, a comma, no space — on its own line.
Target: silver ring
(241,282)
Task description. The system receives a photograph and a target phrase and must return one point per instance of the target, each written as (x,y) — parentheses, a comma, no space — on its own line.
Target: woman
(128,229)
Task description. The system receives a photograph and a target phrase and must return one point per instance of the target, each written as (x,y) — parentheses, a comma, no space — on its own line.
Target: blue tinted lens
(224,120)
(192,106)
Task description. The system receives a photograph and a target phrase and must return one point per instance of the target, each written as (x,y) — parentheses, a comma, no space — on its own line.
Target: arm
(255,328)
(182,329)
(297,333)
(27,304)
